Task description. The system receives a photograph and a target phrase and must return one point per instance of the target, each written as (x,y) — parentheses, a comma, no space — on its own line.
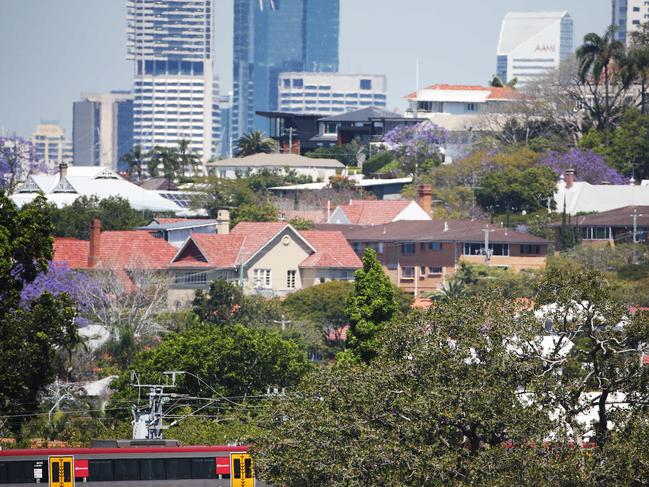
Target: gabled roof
(178,224)
(72,251)
(618,217)
(332,250)
(277,160)
(362,115)
(257,235)
(376,212)
(584,197)
(214,251)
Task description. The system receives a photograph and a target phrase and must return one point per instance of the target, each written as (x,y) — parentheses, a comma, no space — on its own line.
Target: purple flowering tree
(17,161)
(61,279)
(589,166)
(418,148)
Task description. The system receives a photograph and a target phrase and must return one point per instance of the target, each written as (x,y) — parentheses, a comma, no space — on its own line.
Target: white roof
(88,181)
(363,183)
(586,197)
(277,160)
(448,96)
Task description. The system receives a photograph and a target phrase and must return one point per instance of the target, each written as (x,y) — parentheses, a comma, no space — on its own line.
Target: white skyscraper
(627,16)
(171,44)
(330,93)
(533,43)
(51,146)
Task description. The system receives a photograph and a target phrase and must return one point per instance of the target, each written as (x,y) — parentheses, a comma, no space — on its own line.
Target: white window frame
(291,279)
(262,278)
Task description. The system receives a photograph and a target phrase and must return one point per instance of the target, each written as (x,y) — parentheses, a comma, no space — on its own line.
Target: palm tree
(187,159)
(497,82)
(601,60)
(168,159)
(254,143)
(639,60)
(135,159)
(452,290)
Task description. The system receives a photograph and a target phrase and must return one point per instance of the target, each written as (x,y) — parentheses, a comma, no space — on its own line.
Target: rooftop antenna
(416,86)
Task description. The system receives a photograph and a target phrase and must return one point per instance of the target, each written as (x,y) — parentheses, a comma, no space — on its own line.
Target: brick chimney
(223,222)
(570,178)
(425,198)
(94,252)
(63,170)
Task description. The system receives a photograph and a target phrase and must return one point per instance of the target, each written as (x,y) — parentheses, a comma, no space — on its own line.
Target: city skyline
(375,38)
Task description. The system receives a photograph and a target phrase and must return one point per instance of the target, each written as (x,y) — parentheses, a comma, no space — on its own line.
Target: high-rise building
(532,44)
(51,147)
(627,16)
(329,93)
(170,42)
(102,129)
(275,36)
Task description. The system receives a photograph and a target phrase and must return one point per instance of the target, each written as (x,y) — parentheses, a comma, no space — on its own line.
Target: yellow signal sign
(61,472)
(242,473)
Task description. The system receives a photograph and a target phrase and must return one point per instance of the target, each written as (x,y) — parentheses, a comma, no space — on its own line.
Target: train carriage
(132,465)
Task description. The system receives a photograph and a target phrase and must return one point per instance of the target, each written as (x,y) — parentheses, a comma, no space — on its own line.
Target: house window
(190,278)
(223,173)
(357,247)
(595,233)
(435,271)
(530,249)
(473,248)
(379,248)
(407,273)
(434,245)
(262,278)
(422,271)
(408,248)
(471,107)
(290,279)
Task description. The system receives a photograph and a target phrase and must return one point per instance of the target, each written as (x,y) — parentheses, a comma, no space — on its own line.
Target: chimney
(425,198)
(94,252)
(223,222)
(570,178)
(63,170)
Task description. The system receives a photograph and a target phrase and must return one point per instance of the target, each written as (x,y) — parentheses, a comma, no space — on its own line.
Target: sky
(52,51)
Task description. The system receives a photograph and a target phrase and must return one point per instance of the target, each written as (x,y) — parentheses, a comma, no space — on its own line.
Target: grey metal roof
(189,223)
(277,160)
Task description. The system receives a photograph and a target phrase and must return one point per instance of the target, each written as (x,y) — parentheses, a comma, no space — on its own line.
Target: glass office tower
(275,36)
(170,42)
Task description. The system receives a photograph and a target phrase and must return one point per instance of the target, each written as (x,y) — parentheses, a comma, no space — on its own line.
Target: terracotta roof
(72,251)
(123,249)
(256,234)
(373,212)
(163,221)
(504,93)
(219,251)
(619,217)
(332,250)
(315,216)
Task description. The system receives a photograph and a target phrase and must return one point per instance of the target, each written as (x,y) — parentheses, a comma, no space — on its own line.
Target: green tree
(378,162)
(30,336)
(348,154)
(255,142)
(115,213)
(223,303)
(255,213)
(513,191)
(231,360)
(187,159)
(370,307)
(302,224)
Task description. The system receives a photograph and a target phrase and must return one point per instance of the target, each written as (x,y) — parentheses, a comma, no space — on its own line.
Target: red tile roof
(219,251)
(504,93)
(124,250)
(373,212)
(257,234)
(332,250)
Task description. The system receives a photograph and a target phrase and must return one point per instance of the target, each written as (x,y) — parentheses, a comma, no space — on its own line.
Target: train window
(248,466)
(179,468)
(203,468)
(152,469)
(20,472)
(100,470)
(3,472)
(127,469)
(237,468)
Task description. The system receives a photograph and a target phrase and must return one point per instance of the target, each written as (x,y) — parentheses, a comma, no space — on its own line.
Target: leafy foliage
(17,161)
(588,166)
(348,154)
(254,143)
(417,148)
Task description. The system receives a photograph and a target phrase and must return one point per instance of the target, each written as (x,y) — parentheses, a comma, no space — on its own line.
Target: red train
(130,463)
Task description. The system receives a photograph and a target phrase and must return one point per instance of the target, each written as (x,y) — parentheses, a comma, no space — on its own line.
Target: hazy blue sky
(51,51)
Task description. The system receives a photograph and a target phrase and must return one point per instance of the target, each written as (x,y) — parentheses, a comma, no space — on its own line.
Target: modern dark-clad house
(419,256)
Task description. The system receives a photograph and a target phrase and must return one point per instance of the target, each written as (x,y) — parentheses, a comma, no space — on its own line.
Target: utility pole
(486,251)
(290,131)
(147,421)
(635,216)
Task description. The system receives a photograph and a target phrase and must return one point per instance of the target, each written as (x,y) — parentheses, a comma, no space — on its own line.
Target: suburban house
(380,188)
(177,230)
(581,197)
(377,212)
(419,256)
(72,182)
(628,224)
(318,169)
(269,258)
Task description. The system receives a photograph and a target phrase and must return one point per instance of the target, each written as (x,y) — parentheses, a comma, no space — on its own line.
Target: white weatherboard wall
(533,43)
